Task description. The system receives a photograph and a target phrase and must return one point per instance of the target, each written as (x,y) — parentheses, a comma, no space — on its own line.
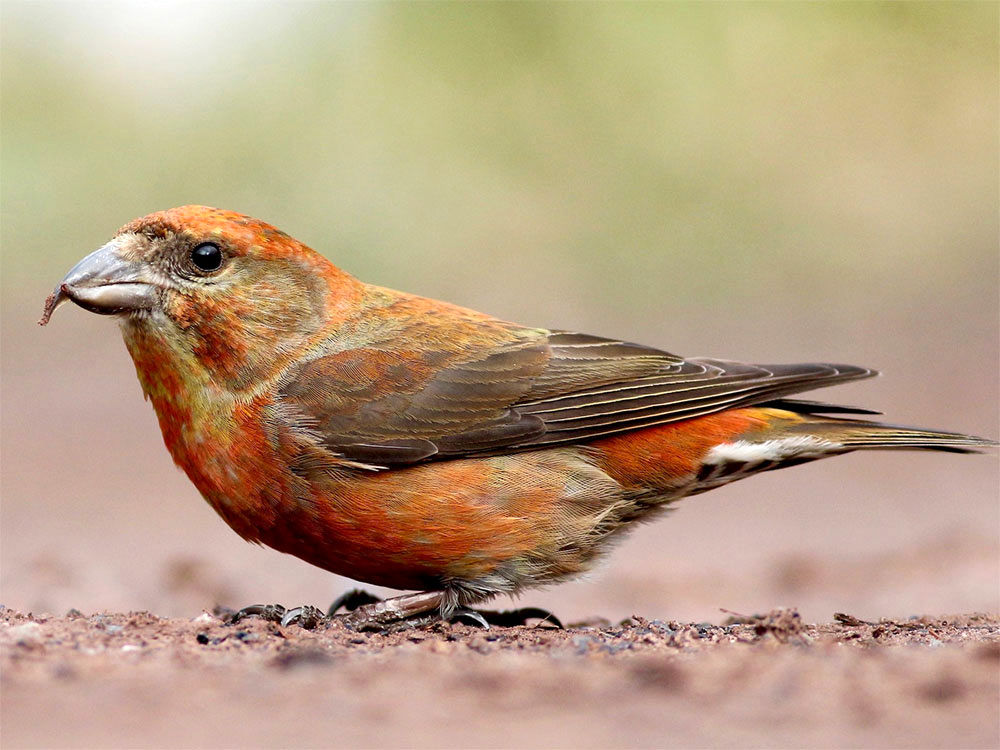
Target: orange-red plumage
(419,445)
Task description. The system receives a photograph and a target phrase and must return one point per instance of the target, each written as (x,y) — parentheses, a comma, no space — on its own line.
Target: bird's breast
(219,441)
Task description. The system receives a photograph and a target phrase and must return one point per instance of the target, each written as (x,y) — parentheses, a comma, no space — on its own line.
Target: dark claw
(506,619)
(510,617)
(269,612)
(351,600)
(307,616)
(473,616)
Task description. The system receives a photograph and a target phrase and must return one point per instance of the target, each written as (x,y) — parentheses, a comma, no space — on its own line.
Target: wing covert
(537,389)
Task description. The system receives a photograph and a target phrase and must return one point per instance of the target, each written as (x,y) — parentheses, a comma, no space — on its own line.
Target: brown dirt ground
(138,680)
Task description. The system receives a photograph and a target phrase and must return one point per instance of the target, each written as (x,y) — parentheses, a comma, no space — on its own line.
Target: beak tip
(51,303)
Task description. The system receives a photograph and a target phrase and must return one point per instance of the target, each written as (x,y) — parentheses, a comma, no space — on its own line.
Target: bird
(421,446)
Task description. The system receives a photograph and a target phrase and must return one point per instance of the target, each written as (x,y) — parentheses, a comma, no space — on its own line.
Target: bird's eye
(207,257)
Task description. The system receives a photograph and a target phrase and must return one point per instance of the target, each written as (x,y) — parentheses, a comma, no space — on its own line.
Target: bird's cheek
(181,311)
(211,332)
(244,331)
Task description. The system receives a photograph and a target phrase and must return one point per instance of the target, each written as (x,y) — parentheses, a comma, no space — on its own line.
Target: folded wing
(537,389)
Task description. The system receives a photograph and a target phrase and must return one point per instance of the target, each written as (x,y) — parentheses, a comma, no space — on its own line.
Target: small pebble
(583,643)
(27,634)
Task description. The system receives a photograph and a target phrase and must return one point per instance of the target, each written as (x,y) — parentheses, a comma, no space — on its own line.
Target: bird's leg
(408,607)
(364,611)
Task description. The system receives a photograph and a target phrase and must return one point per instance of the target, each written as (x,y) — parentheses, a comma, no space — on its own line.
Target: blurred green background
(763,181)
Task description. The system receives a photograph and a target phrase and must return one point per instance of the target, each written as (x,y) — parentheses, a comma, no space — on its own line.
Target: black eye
(207,257)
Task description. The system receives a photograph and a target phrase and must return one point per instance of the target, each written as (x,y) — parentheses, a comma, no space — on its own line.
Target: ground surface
(136,680)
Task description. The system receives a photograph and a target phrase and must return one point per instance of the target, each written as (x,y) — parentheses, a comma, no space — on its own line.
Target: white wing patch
(745,452)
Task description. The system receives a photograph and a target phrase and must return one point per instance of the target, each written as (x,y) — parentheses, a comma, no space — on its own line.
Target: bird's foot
(520,616)
(306,615)
(367,612)
(378,622)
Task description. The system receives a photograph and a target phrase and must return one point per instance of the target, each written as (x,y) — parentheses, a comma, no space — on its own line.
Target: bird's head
(231,292)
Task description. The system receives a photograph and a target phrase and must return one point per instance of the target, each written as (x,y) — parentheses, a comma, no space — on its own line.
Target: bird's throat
(200,423)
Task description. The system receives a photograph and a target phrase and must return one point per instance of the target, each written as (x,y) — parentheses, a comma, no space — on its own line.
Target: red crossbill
(418,445)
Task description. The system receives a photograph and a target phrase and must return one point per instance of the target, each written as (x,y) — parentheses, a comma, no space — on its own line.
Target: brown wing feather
(534,391)
(396,408)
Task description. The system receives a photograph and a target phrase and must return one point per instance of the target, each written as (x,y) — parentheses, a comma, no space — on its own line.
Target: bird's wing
(538,388)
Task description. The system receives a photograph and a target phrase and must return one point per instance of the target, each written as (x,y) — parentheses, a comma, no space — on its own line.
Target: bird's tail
(788,439)
(855,434)
(700,454)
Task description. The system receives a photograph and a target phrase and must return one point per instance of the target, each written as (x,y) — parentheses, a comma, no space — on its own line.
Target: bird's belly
(504,521)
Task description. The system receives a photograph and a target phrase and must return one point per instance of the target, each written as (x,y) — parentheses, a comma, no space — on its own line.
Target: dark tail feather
(803,406)
(859,435)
